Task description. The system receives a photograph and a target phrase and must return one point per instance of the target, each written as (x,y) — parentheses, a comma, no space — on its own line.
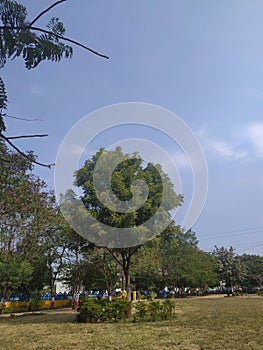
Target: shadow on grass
(54,316)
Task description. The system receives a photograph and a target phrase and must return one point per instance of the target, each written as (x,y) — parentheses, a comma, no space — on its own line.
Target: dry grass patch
(208,324)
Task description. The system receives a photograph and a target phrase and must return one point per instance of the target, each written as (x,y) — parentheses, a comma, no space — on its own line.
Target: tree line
(38,247)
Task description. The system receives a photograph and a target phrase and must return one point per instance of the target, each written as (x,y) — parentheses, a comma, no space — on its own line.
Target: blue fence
(44,296)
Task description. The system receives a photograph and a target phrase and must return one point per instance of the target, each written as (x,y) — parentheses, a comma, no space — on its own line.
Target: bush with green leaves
(167,309)
(141,311)
(153,311)
(15,309)
(35,299)
(93,311)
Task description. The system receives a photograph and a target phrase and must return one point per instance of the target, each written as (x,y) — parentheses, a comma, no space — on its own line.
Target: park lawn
(201,323)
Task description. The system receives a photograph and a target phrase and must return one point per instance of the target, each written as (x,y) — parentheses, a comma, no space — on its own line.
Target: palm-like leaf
(3,103)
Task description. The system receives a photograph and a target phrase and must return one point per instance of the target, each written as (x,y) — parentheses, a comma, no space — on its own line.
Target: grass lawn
(205,323)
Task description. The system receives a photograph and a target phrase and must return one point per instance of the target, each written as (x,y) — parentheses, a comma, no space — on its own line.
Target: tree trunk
(52,289)
(128,283)
(3,301)
(122,283)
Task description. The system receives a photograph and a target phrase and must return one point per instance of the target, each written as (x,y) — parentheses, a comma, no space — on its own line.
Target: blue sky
(202,60)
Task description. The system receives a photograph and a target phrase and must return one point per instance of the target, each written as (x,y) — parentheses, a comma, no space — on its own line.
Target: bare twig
(55,35)
(20,118)
(24,154)
(26,136)
(45,11)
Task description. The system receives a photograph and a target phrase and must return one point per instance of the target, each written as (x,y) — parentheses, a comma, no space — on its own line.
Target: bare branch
(114,256)
(45,11)
(19,118)
(25,155)
(55,35)
(26,136)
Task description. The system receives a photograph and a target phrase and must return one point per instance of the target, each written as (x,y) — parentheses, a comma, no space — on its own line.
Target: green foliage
(141,311)
(18,38)
(123,176)
(254,265)
(16,309)
(230,267)
(167,309)
(35,298)
(119,309)
(153,311)
(129,168)
(28,223)
(3,104)
(93,311)
(15,274)
(90,311)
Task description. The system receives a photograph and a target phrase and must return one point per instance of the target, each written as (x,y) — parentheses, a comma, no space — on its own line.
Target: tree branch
(25,155)
(67,39)
(19,118)
(56,35)
(114,256)
(26,136)
(45,11)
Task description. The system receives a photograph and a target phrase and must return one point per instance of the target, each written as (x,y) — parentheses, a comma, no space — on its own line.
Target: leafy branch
(18,37)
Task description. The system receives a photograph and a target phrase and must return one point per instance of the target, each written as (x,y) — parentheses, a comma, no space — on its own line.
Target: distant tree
(173,260)
(146,268)
(92,269)
(230,267)
(21,37)
(202,270)
(254,264)
(176,248)
(55,244)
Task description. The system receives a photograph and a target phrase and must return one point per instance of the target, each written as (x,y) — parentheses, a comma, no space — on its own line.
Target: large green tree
(129,169)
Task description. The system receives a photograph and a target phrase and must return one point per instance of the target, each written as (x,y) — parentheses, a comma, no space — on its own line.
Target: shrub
(119,309)
(153,311)
(15,309)
(93,311)
(90,311)
(167,309)
(141,311)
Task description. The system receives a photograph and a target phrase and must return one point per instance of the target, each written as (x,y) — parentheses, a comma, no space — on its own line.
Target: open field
(211,323)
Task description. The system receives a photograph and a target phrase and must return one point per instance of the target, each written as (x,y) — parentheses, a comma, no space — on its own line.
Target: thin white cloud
(226,150)
(254,134)
(221,148)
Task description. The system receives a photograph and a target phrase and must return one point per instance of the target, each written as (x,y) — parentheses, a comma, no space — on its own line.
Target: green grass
(217,323)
